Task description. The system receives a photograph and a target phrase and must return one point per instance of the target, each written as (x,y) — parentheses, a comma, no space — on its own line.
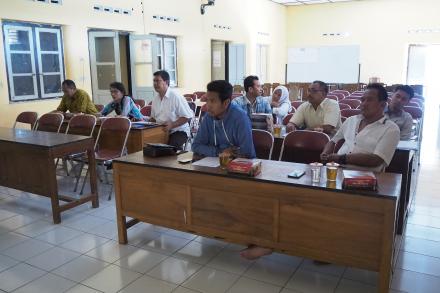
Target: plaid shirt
(261,105)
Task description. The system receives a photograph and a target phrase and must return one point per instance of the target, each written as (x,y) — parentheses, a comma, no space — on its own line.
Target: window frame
(162,56)
(37,74)
(262,63)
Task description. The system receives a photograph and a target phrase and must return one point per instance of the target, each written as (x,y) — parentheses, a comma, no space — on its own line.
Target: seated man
(170,109)
(225,128)
(75,100)
(401,97)
(318,113)
(252,102)
(370,137)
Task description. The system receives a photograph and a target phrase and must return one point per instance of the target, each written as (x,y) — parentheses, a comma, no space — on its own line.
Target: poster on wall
(217,59)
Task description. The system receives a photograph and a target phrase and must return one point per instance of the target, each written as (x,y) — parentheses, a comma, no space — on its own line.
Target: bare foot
(254,252)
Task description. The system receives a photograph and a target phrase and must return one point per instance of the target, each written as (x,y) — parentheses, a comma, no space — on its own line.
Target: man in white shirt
(318,113)
(170,109)
(370,138)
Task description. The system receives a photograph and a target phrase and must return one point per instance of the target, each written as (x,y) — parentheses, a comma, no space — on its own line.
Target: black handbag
(159,150)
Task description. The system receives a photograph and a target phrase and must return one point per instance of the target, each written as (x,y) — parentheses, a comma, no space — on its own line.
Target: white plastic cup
(316,172)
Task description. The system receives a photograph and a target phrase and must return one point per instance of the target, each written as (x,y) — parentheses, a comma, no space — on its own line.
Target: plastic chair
(199,94)
(353,103)
(344,106)
(263,143)
(303,146)
(83,124)
(340,96)
(190,97)
(27,118)
(99,107)
(110,144)
(287,118)
(296,104)
(415,104)
(333,97)
(50,122)
(146,111)
(203,111)
(416,112)
(344,92)
(140,102)
(350,112)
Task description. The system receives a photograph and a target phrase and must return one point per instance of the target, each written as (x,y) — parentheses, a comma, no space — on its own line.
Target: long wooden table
(318,221)
(138,136)
(27,162)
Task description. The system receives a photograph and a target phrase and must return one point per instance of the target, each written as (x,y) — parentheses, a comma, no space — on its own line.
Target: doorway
(228,62)
(424,69)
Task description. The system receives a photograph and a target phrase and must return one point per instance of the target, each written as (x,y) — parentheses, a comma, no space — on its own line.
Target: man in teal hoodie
(225,128)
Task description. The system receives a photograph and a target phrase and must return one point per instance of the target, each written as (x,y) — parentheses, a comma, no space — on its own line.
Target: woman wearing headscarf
(280,103)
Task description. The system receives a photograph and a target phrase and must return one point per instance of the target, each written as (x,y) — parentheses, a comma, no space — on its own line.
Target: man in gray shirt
(396,113)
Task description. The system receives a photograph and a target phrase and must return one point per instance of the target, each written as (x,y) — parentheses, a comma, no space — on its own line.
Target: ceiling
(308,2)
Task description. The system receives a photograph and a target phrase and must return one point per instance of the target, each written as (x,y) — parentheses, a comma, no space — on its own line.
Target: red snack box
(250,167)
(359,180)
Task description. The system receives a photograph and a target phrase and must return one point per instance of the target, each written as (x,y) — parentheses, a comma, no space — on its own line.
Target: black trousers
(177,139)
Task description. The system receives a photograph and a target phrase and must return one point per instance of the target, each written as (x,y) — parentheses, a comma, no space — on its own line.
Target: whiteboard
(331,64)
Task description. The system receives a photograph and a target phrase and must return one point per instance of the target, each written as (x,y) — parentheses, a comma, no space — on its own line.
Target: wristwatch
(343,159)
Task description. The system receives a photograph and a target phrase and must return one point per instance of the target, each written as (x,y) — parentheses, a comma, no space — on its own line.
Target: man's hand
(330,157)
(168,126)
(274,104)
(290,127)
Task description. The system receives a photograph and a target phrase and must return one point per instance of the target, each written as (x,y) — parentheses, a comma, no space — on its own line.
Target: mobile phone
(296,174)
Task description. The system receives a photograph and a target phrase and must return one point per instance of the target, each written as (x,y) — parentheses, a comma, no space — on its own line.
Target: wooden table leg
(52,181)
(121,219)
(387,251)
(92,171)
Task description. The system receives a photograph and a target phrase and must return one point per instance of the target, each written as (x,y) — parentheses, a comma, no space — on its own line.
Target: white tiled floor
(81,255)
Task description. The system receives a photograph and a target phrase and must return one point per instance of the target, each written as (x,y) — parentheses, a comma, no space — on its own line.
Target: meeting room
(219,146)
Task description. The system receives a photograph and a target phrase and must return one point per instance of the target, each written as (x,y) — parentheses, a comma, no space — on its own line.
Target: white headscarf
(284,96)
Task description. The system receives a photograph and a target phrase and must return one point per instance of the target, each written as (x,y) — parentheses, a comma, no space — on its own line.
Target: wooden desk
(27,162)
(137,138)
(353,228)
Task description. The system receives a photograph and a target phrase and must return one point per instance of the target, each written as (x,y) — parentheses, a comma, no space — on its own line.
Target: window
(262,62)
(34,59)
(167,57)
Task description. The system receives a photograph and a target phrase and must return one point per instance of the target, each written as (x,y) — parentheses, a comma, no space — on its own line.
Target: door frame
(133,62)
(92,34)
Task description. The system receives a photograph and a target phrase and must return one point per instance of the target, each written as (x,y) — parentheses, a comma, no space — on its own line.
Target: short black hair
(119,86)
(164,75)
(322,85)
(69,83)
(249,82)
(381,91)
(407,89)
(222,87)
